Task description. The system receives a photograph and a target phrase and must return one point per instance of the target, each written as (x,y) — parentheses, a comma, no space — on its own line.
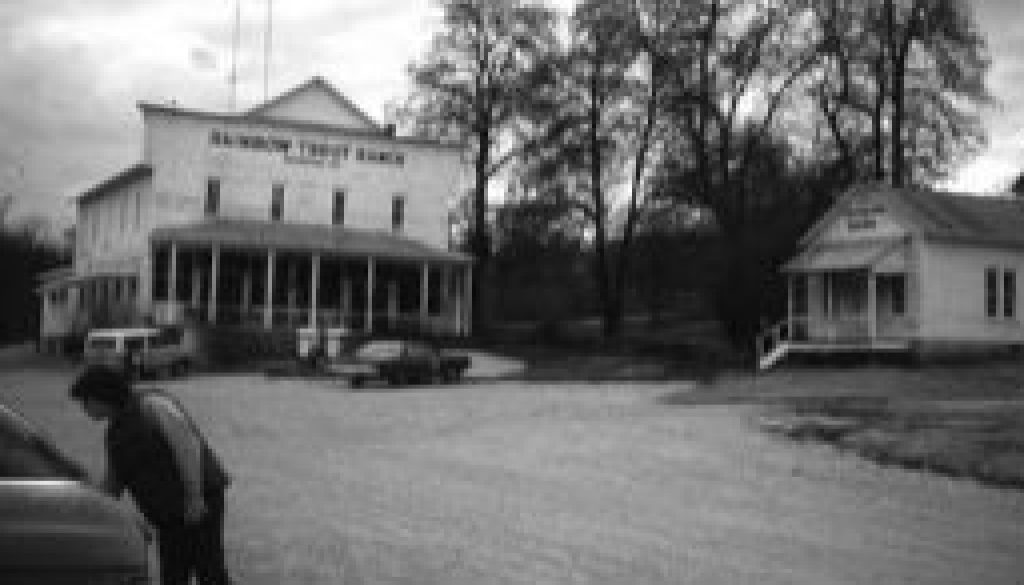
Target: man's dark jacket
(142,459)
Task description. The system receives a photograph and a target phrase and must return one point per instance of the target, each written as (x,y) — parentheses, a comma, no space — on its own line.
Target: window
(398,212)
(893,290)
(138,209)
(212,197)
(826,292)
(991,292)
(1009,293)
(277,202)
(899,295)
(338,212)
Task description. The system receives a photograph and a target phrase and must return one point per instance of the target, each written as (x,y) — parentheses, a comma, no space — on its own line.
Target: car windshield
(25,453)
(376,350)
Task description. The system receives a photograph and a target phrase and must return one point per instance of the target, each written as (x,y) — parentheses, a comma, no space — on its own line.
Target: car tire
(356,381)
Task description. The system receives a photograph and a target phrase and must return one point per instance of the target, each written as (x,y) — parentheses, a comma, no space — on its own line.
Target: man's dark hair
(104,384)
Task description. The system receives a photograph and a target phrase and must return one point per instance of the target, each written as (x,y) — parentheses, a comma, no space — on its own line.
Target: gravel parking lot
(505,482)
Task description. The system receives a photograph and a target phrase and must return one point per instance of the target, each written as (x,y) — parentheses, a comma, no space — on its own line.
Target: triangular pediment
(315,101)
(864,212)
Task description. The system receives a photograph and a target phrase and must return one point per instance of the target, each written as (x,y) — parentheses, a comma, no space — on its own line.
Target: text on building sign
(305,151)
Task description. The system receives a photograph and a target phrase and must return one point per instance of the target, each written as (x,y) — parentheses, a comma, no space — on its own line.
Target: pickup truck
(399,362)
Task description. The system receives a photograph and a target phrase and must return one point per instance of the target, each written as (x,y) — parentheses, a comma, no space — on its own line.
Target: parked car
(400,362)
(142,351)
(55,528)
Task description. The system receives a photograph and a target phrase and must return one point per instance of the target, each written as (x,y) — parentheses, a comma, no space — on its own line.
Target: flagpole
(234,56)
(266,47)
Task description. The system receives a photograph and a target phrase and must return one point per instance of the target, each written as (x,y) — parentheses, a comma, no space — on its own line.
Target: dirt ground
(514,483)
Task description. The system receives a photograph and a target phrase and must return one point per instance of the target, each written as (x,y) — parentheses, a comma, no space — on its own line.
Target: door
(891,305)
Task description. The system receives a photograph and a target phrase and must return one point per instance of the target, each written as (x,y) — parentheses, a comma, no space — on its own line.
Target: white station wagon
(141,351)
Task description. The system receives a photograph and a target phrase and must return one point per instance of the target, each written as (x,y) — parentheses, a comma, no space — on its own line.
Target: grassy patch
(978,439)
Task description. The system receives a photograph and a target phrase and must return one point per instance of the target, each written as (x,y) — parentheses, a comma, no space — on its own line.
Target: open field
(506,482)
(965,421)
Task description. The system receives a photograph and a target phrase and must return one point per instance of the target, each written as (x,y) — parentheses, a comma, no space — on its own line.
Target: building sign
(305,152)
(863,215)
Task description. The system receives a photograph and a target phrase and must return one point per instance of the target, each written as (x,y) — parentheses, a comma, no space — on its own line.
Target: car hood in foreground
(58,523)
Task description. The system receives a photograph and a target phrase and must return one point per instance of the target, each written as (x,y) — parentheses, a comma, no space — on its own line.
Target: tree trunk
(876,120)
(600,216)
(898,114)
(481,245)
(627,233)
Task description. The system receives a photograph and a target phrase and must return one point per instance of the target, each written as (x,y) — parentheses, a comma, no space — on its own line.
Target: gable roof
(314,84)
(134,173)
(306,237)
(996,220)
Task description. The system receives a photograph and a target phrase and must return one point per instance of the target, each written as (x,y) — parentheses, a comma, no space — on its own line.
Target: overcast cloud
(73,71)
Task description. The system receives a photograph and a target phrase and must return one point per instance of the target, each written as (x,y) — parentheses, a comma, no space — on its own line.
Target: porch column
(789,306)
(872,303)
(214,266)
(172,277)
(268,309)
(459,317)
(424,295)
(469,300)
(314,285)
(368,325)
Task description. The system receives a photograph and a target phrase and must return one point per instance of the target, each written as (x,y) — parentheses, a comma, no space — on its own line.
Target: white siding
(114,237)
(183,158)
(953,293)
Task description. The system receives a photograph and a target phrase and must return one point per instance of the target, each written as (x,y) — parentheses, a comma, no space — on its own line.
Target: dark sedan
(400,362)
(55,528)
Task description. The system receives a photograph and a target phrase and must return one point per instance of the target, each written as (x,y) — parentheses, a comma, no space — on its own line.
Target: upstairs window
(1009,294)
(277,202)
(212,207)
(991,292)
(338,211)
(398,212)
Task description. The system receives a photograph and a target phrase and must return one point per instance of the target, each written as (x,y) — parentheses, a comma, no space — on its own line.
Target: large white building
(301,211)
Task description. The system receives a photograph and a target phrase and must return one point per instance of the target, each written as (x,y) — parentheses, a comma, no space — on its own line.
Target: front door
(891,304)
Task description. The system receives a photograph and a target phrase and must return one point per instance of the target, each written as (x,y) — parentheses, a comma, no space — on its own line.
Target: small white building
(905,270)
(301,211)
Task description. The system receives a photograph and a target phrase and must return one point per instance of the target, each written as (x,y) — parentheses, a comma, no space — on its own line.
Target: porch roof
(305,237)
(836,257)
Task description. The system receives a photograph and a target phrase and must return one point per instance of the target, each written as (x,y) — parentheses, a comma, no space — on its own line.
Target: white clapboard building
(301,211)
(906,270)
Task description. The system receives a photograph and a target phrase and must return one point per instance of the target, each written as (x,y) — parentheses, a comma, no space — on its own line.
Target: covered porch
(274,275)
(846,297)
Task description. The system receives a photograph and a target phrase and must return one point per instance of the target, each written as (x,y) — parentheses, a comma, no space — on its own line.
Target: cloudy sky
(73,70)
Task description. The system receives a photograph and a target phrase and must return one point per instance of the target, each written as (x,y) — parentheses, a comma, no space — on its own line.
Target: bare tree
(472,84)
